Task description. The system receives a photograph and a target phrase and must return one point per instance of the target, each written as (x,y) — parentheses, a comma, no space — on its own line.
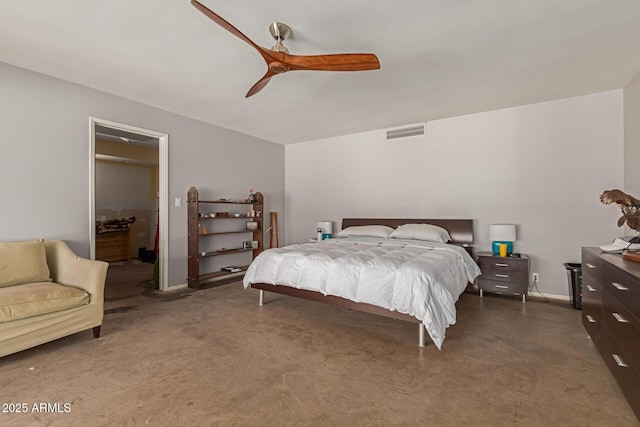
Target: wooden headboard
(460,230)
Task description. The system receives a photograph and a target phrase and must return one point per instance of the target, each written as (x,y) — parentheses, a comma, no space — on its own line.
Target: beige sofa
(47,292)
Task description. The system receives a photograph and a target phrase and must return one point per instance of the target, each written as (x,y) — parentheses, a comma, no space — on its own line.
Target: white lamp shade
(502,232)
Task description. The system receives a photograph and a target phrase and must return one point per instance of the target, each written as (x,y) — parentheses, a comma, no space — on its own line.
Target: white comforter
(422,279)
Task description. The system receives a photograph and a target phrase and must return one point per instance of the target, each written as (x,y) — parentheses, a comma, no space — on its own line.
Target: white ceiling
(439,58)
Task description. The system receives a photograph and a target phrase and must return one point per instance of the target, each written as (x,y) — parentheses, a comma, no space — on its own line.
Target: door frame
(163,199)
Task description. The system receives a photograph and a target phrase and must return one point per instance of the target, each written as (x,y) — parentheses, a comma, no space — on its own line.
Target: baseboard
(227,278)
(534,294)
(177,287)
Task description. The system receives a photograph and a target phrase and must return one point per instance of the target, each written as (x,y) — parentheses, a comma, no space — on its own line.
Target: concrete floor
(214,357)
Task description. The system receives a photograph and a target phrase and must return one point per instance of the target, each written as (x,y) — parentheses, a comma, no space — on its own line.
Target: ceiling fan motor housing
(280,32)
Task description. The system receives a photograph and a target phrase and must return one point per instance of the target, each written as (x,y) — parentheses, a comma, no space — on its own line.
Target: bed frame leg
(261,298)
(421,335)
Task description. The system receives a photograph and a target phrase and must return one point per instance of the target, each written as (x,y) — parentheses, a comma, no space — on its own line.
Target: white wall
(632,137)
(539,166)
(44,161)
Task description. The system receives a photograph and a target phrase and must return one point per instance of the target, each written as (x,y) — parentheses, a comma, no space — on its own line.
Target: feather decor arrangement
(629,205)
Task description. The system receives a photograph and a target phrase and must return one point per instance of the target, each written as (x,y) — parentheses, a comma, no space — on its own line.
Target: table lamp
(325,229)
(502,234)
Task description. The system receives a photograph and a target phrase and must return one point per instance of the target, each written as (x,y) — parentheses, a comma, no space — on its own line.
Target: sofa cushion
(32,299)
(23,262)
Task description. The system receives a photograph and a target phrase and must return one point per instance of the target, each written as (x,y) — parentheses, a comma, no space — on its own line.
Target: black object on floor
(574,272)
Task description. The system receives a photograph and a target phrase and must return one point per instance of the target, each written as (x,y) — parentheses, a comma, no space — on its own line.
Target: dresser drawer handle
(619,317)
(619,361)
(506,276)
(590,319)
(502,287)
(498,264)
(619,287)
(591,265)
(591,288)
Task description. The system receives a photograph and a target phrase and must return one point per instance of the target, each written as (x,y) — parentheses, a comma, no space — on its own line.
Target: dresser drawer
(626,375)
(623,328)
(591,298)
(623,287)
(592,268)
(502,287)
(497,264)
(593,325)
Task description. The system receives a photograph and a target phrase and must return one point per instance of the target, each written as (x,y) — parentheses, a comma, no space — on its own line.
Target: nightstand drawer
(505,276)
(502,287)
(505,263)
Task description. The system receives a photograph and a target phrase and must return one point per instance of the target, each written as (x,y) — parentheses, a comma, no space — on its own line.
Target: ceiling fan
(280,61)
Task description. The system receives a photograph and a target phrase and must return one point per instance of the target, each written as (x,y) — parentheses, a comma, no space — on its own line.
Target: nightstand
(504,275)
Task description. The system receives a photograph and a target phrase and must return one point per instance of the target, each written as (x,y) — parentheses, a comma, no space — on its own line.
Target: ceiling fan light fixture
(279,47)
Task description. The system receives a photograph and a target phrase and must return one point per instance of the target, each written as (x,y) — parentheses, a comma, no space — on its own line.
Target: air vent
(407,131)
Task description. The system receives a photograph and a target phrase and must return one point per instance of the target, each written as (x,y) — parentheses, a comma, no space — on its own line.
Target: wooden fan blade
(233,30)
(260,84)
(335,62)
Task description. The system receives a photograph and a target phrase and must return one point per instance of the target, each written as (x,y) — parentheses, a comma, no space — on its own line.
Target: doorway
(131,152)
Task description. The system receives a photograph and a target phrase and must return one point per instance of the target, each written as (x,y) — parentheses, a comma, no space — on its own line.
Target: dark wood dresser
(611,316)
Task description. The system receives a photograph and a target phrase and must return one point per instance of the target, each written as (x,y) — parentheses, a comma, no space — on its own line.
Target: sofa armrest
(69,269)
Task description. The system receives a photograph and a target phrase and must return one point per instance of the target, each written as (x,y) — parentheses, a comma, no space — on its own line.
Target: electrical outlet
(535,277)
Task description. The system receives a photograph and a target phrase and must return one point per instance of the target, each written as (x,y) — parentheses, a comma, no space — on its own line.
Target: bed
(402,278)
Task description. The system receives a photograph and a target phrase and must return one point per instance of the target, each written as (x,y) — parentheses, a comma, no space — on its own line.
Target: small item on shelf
(252,225)
(222,214)
(258,213)
(254,244)
(204,229)
(251,195)
(246,245)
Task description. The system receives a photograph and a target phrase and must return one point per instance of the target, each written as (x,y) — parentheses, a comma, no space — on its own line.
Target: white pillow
(429,232)
(366,230)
